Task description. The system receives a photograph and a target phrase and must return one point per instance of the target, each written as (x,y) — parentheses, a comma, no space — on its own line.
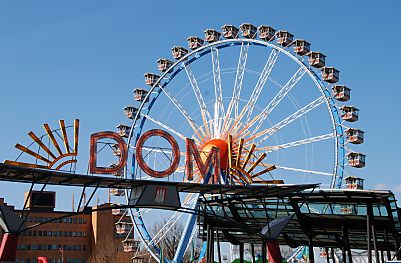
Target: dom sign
(192,154)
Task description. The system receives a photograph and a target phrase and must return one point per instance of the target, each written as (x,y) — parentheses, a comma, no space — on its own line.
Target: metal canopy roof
(52,177)
(239,213)
(317,214)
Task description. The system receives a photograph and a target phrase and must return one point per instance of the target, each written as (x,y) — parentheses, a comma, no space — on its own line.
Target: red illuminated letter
(213,159)
(175,152)
(93,168)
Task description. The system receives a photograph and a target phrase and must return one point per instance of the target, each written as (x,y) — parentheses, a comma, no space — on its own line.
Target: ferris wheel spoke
(167,127)
(303,170)
(190,199)
(218,105)
(297,143)
(186,115)
(261,83)
(238,84)
(194,84)
(277,99)
(270,131)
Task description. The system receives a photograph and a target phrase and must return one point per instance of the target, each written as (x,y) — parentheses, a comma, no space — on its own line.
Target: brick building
(71,238)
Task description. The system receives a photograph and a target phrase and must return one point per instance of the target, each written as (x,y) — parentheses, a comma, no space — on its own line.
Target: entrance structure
(248,214)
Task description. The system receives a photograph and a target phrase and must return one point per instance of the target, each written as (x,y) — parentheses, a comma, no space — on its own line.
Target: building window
(45,233)
(64,233)
(69,234)
(64,220)
(75,220)
(29,233)
(39,247)
(34,233)
(79,247)
(33,246)
(54,233)
(40,233)
(74,234)
(60,233)
(84,234)
(28,247)
(80,220)
(79,233)
(84,220)
(49,247)
(40,219)
(44,247)
(74,247)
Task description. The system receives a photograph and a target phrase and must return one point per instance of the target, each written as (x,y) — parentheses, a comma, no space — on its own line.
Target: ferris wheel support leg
(185,239)
(273,252)
(8,249)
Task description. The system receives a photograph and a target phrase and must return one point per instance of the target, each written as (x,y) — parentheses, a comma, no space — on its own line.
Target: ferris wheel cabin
(317,59)
(163,64)
(122,227)
(118,173)
(178,52)
(284,38)
(151,78)
(354,136)
(117,192)
(130,112)
(341,93)
(248,30)
(130,245)
(349,113)
(356,160)
(118,211)
(140,94)
(230,31)
(116,150)
(123,130)
(266,33)
(301,47)
(353,182)
(330,74)
(212,35)
(195,42)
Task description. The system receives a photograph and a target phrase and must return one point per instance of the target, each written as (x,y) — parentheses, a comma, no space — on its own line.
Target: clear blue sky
(82,59)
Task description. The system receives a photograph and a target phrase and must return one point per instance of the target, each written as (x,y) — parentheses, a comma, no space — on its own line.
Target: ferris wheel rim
(328,100)
(225,43)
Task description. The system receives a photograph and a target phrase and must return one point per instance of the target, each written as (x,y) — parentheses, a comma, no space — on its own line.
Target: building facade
(66,238)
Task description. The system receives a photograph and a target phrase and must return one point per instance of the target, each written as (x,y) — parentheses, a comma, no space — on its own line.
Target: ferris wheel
(265,99)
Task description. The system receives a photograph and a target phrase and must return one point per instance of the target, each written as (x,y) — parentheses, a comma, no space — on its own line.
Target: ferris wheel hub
(218,143)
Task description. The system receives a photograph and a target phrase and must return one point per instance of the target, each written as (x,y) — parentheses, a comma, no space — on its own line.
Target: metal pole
(397,251)
(343,243)
(241,253)
(375,242)
(212,245)
(332,255)
(386,242)
(208,241)
(218,246)
(253,252)
(264,251)
(326,249)
(368,234)
(382,255)
(311,254)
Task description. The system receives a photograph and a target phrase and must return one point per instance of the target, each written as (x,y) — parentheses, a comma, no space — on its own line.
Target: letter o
(175,152)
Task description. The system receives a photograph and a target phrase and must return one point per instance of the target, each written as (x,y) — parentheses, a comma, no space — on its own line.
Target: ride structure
(268,130)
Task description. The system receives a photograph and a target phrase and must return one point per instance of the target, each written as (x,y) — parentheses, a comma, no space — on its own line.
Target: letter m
(212,160)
